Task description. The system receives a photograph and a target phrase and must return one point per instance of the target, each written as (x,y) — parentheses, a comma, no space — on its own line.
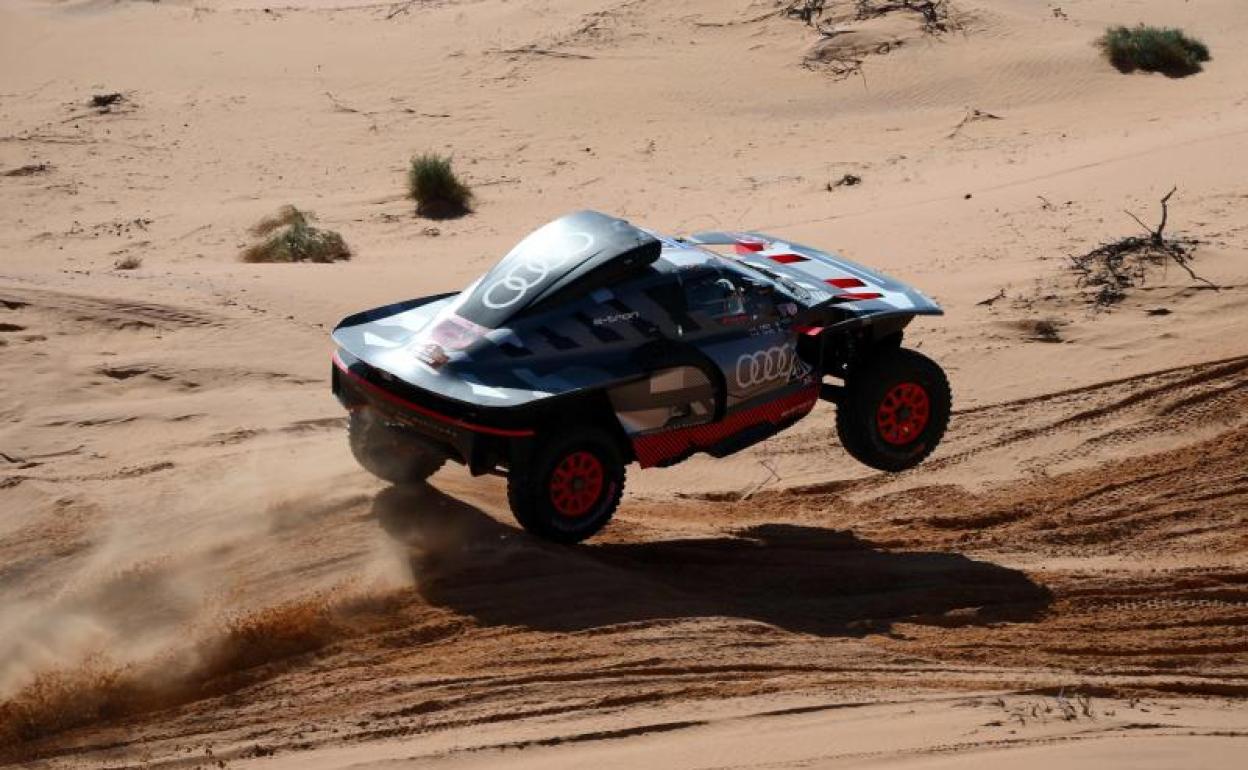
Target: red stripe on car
(654,448)
(845,283)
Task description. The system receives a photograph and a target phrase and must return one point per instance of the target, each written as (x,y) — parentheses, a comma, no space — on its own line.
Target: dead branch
(339,106)
(807,11)
(738,22)
(30,169)
(398,8)
(972,115)
(535,51)
(934,12)
(840,67)
(993,299)
(1158,238)
(773,476)
(1138,221)
(1123,264)
(935,15)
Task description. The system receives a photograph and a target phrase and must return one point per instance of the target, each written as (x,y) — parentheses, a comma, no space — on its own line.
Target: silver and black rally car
(594,343)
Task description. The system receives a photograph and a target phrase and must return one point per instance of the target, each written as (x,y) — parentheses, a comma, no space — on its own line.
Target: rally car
(595,343)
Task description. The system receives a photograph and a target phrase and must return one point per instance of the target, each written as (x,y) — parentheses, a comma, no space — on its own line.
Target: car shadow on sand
(799,578)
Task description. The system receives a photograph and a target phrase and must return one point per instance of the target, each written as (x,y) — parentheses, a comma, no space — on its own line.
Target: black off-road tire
(894,410)
(543,491)
(390,452)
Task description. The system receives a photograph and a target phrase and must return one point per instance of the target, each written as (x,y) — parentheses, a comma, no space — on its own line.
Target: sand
(194,571)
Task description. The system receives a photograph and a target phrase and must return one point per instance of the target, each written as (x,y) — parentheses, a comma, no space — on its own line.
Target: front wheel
(894,410)
(570,488)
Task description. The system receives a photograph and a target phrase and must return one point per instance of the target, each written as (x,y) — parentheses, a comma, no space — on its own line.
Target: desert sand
(195,573)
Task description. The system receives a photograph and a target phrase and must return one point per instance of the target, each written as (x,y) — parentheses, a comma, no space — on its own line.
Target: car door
(736,323)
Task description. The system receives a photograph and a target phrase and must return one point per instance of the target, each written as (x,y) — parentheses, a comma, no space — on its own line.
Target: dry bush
(846,43)
(1046,330)
(286,216)
(104,101)
(438,193)
(1153,49)
(288,237)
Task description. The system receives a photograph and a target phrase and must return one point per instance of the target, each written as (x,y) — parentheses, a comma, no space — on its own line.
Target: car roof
(681,256)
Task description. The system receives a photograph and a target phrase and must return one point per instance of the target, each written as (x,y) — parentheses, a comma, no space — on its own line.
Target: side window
(760,303)
(728,299)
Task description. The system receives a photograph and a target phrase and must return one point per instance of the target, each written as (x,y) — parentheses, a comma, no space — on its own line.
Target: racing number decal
(535,263)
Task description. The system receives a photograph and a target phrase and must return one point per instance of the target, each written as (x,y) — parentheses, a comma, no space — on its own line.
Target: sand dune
(193,570)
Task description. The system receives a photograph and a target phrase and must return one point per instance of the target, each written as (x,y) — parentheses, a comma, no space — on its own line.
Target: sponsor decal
(765,365)
(534,263)
(616,318)
(430,353)
(802,370)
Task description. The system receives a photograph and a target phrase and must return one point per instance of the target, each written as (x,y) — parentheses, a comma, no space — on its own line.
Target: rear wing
(831,280)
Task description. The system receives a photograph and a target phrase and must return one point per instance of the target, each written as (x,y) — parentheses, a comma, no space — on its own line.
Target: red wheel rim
(903,413)
(576,483)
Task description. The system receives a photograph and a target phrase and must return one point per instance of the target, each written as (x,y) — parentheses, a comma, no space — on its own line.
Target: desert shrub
(104,101)
(286,216)
(1153,49)
(288,237)
(438,192)
(1046,330)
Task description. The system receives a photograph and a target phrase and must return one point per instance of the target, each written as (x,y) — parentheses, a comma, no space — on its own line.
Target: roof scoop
(565,255)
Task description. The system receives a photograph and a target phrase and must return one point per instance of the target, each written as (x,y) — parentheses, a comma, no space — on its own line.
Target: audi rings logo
(765,365)
(533,262)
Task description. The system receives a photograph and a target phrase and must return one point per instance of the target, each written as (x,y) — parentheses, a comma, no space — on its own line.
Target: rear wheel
(894,410)
(390,452)
(570,488)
